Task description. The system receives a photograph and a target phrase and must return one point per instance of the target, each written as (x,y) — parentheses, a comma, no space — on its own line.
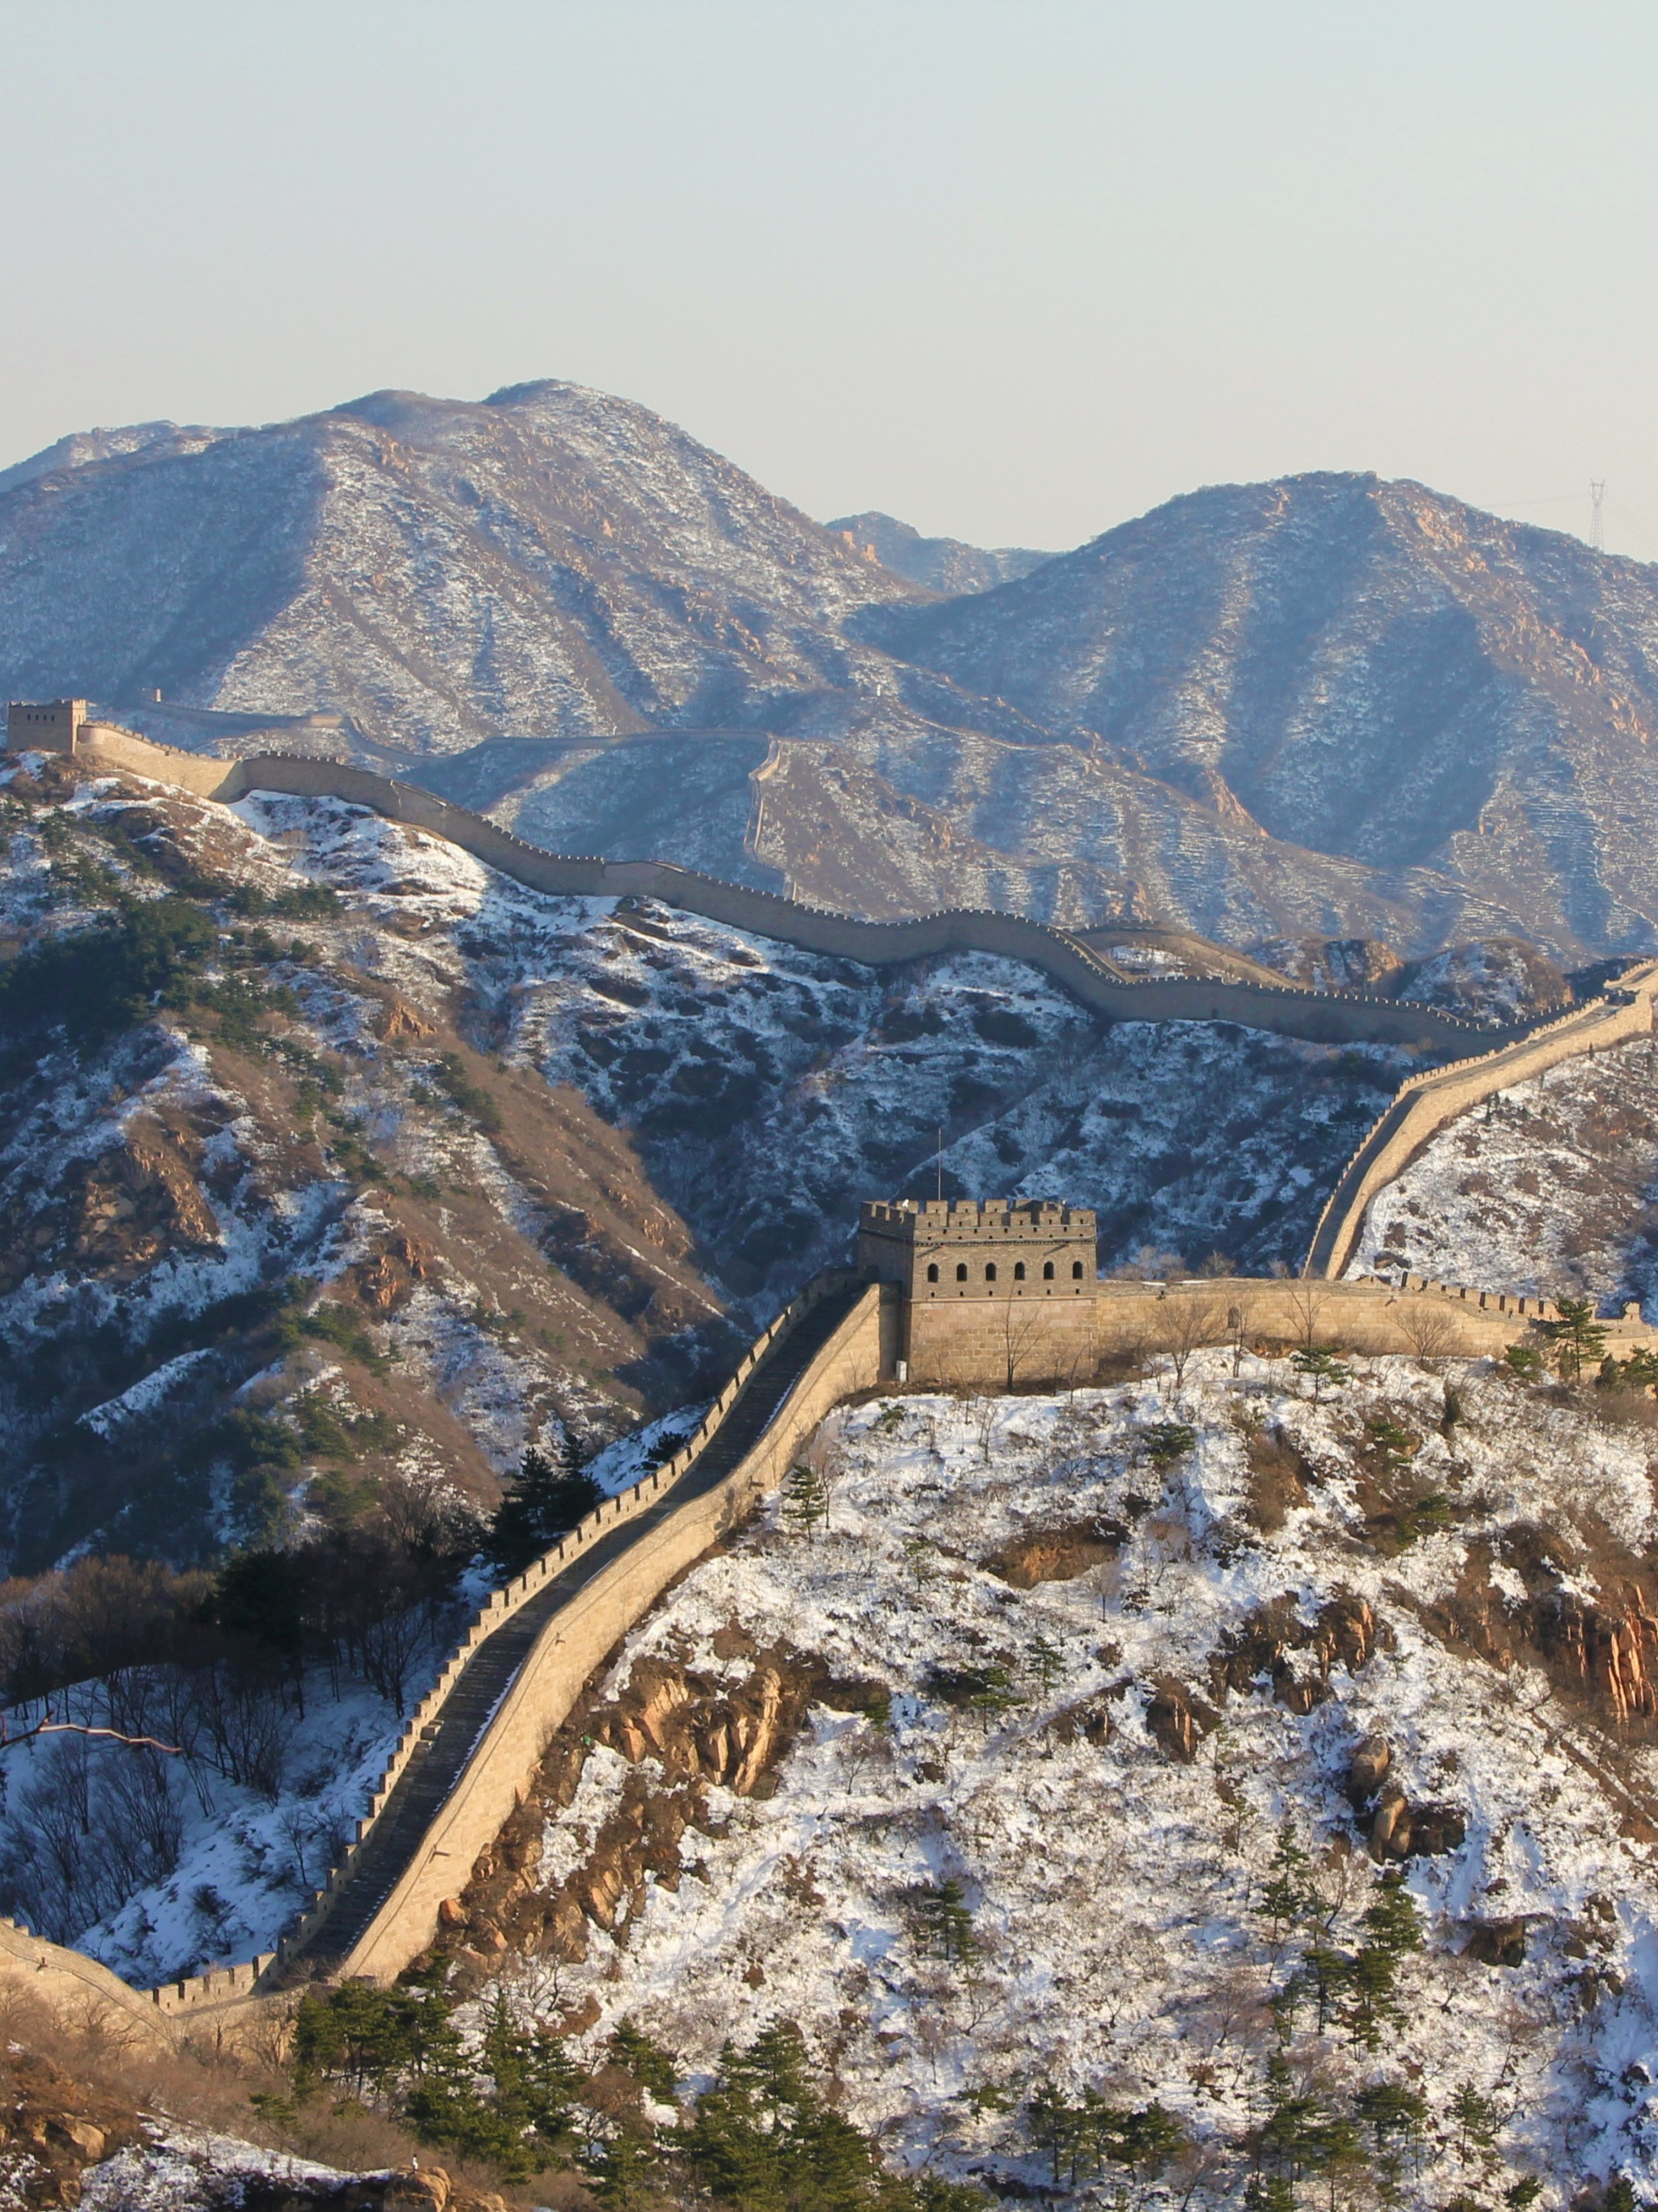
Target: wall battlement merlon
(1038,1218)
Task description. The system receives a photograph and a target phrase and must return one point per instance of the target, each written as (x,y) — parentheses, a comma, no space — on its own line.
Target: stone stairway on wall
(477,1695)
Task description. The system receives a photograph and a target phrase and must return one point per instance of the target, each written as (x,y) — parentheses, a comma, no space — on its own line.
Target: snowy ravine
(1256,1608)
(159,1865)
(768,1089)
(1549,1186)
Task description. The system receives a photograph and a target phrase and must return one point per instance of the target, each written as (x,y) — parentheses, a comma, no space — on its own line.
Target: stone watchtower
(989,1291)
(44,725)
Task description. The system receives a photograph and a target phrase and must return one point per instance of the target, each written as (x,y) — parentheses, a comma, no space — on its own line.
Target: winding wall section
(476,1738)
(1425,1102)
(1320,1017)
(474,1743)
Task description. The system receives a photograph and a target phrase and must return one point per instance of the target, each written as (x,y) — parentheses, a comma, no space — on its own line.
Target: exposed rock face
(1178,1718)
(1608,1649)
(1604,1648)
(1334,964)
(120,1211)
(1297,1656)
(53,2128)
(682,1733)
(1496,1942)
(1048,1555)
(387,1281)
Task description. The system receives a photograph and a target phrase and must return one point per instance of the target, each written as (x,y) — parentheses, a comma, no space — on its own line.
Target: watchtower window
(990,1271)
(1048,1271)
(961,1271)
(1018,1270)
(1076,1271)
(933,1272)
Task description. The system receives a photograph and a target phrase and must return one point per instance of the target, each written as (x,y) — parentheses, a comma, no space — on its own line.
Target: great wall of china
(1319,1017)
(473,1744)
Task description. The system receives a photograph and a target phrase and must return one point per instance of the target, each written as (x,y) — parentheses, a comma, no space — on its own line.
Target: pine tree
(1165,1442)
(1288,1899)
(944,1921)
(1476,2118)
(1393,1928)
(763,2137)
(1054,2127)
(1046,1663)
(805,1500)
(1391,2113)
(992,1693)
(1319,1362)
(548,1497)
(651,2066)
(1143,2140)
(1576,1337)
(1397,1446)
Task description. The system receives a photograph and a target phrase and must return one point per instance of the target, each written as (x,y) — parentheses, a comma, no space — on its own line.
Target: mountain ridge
(1330,706)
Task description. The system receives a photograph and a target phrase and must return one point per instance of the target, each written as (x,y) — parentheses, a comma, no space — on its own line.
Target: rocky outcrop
(53,2128)
(118,1212)
(684,1732)
(1606,1648)
(1293,1657)
(386,1281)
(1603,1648)
(1178,1718)
(1056,1555)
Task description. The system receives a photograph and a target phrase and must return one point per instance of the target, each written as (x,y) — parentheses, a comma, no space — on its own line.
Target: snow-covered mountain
(1057,1773)
(1326,706)
(551,1158)
(1365,668)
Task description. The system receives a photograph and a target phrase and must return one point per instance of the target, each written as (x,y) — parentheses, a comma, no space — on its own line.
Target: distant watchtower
(44,725)
(990,1288)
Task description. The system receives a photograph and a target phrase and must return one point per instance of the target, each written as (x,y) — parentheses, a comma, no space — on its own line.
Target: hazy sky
(1013,271)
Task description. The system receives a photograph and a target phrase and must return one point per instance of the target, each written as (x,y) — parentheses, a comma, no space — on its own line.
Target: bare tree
(1183,1326)
(1237,1332)
(1426,1327)
(982,1411)
(1306,1302)
(1021,1327)
(388,1649)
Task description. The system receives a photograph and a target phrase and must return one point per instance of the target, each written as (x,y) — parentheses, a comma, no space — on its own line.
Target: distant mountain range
(1325,707)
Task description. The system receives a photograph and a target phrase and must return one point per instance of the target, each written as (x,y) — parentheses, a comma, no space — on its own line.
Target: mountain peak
(946,565)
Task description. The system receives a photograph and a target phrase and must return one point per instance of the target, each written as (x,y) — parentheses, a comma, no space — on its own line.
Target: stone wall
(998,1343)
(1005,1342)
(1321,1017)
(575,1643)
(1426,1102)
(80,1992)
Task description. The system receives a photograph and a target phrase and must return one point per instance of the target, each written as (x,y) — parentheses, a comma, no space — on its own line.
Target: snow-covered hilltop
(1064,1763)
